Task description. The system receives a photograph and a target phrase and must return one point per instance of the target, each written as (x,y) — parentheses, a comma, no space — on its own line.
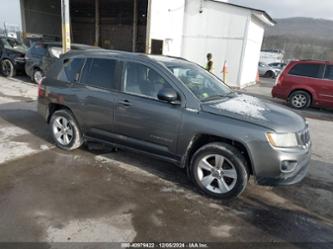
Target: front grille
(304,137)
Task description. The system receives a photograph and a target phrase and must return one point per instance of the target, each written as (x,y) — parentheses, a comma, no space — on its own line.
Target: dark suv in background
(176,111)
(42,55)
(12,53)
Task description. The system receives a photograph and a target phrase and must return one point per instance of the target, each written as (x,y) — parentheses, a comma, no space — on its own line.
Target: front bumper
(296,176)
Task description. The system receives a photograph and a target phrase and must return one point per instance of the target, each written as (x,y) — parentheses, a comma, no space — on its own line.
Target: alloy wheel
(63,130)
(6,67)
(38,75)
(217,174)
(299,100)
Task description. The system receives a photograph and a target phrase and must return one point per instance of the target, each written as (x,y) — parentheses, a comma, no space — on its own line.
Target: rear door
(307,76)
(97,91)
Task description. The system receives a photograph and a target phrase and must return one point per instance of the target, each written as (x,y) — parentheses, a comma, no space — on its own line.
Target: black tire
(300,100)
(232,156)
(269,74)
(75,139)
(37,73)
(8,68)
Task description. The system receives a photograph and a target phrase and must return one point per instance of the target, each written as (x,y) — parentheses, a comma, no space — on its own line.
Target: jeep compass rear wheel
(219,170)
(65,130)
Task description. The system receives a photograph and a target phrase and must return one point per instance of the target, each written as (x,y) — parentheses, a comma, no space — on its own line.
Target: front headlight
(285,140)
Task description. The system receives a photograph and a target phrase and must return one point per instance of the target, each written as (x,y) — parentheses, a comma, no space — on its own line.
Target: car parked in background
(306,83)
(277,65)
(174,110)
(268,71)
(12,53)
(42,55)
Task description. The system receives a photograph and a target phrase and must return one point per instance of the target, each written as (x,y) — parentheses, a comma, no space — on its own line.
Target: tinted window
(307,70)
(99,73)
(38,50)
(71,69)
(329,72)
(142,80)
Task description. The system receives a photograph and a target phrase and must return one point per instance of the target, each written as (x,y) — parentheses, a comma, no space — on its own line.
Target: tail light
(41,91)
(279,79)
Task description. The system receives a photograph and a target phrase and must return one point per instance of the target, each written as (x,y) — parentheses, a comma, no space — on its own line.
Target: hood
(17,50)
(256,111)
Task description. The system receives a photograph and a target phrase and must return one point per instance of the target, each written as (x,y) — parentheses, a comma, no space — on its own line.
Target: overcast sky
(10,12)
(291,8)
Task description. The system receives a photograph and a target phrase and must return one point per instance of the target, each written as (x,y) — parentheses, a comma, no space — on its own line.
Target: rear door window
(329,72)
(101,73)
(308,70)
(71,70)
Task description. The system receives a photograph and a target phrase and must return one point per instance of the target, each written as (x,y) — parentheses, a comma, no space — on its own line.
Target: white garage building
(193,28)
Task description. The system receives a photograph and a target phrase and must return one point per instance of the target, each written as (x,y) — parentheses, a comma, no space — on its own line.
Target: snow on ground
(11,148)
(17,88)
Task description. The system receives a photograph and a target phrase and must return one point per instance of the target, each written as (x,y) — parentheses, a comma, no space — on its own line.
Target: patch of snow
(117,228)
(17,88)
(12,150)
(44,147)
(5,100)
(222,231)
(244,105)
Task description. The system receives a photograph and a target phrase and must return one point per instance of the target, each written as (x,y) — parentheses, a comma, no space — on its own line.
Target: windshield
(13,44)
(201,83)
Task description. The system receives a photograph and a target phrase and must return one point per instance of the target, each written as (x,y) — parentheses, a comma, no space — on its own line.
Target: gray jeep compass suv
(174,110)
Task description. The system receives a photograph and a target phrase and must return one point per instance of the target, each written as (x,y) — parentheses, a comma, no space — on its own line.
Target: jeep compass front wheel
(65,130)
(219,170)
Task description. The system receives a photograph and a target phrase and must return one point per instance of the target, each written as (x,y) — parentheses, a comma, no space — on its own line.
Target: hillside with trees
(301,38)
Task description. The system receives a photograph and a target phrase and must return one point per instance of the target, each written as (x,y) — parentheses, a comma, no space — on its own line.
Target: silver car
(268,71)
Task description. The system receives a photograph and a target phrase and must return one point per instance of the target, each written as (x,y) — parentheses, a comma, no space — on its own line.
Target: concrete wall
(253,42)
(166,24)
(220,29)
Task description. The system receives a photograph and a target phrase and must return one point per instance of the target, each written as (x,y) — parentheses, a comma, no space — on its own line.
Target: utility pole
(135,25)
(97,23)
(65,24)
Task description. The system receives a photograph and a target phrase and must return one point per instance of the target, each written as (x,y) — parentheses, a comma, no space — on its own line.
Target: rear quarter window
(101,73)
(70,70)
(329,72)
(308,70)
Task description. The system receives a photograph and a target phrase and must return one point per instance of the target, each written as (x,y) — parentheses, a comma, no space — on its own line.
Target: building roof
(260,14)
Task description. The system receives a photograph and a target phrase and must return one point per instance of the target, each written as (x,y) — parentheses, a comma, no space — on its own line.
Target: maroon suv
(306,83)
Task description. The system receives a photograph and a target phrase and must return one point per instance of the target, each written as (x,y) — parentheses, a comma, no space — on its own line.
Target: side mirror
(168,95)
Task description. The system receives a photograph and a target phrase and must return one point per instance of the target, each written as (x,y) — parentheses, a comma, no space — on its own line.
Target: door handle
(125,102)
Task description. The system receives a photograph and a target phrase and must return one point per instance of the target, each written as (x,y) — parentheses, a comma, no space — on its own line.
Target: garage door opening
(111,24)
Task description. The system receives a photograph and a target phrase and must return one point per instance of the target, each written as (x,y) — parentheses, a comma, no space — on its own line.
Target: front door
(142,120)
